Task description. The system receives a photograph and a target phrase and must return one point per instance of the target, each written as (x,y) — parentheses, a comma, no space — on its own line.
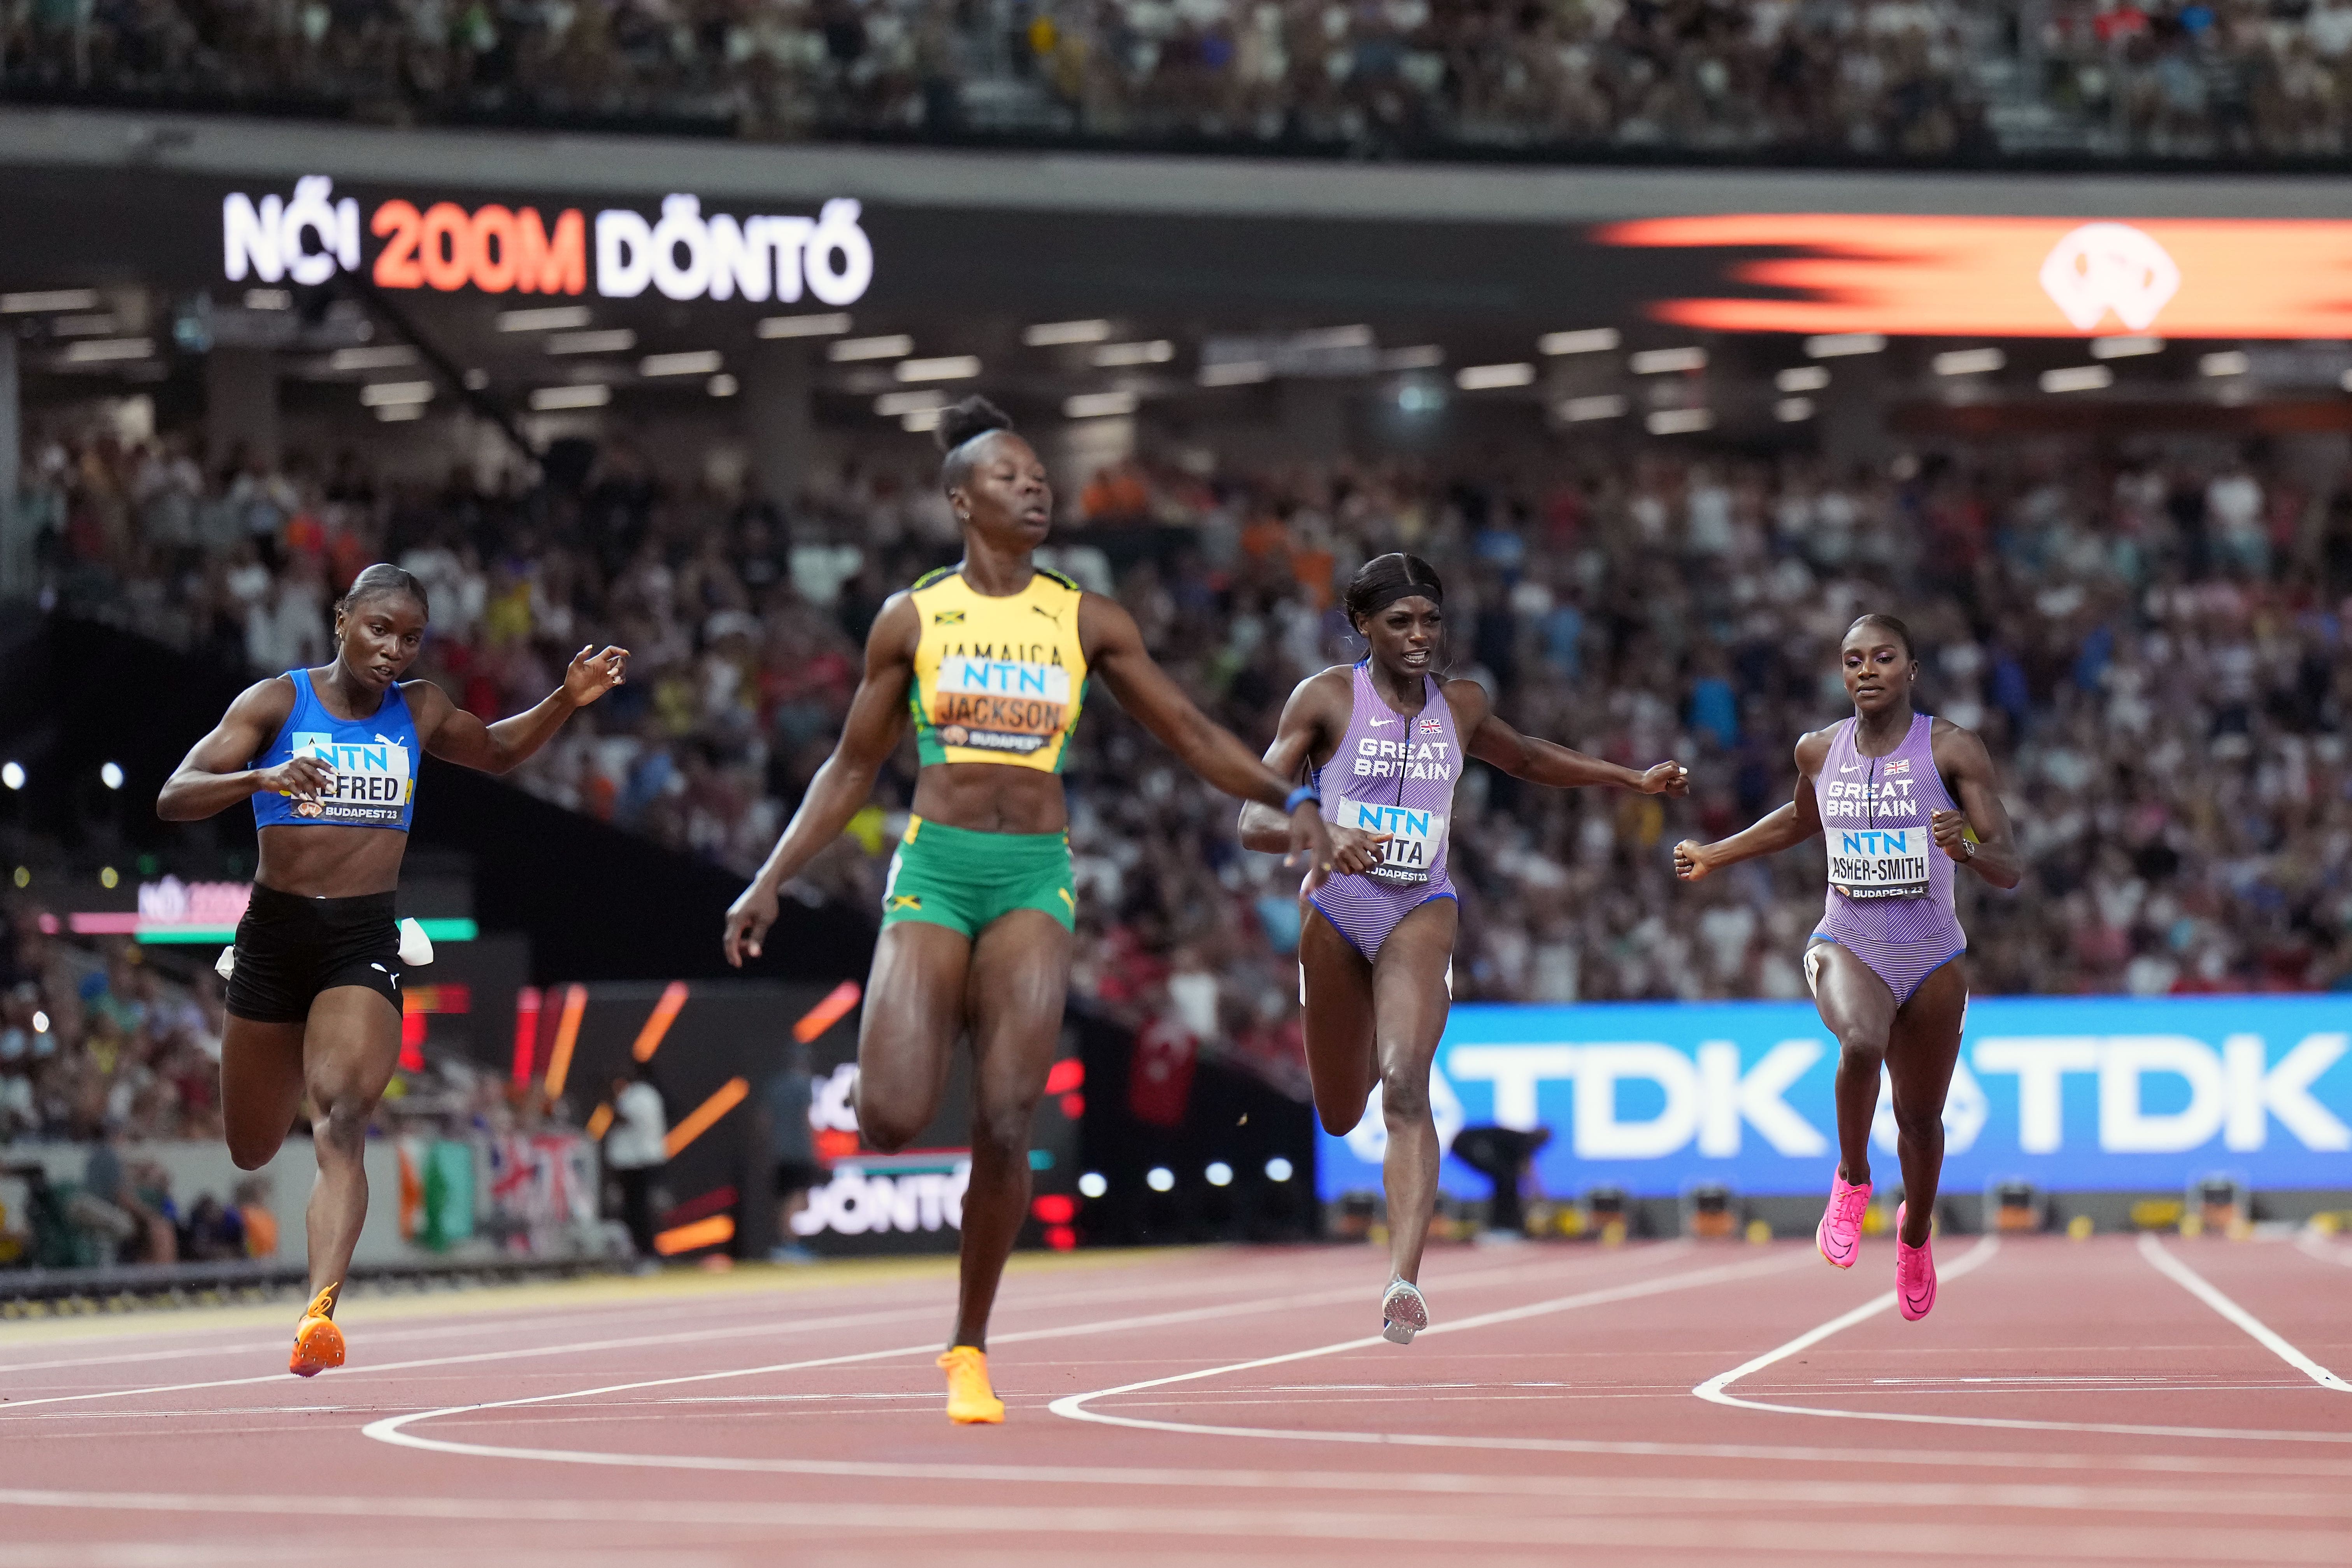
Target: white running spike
(1403,1314)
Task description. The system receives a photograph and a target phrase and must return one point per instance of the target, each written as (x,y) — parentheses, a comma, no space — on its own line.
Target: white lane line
(1592,1526)
(746,1330)
(1140,1288)
(1717,1388)
(840,1298)
(1714,1388)
(391,1429)
(1073,1406)
(2261,1333)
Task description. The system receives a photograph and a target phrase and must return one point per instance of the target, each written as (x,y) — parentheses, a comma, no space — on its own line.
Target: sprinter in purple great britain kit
(1384,742)
(1901,797)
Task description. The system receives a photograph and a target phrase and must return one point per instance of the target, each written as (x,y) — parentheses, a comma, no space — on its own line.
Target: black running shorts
(288,948)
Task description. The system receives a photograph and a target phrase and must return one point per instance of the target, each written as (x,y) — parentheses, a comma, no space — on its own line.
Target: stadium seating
(2150,642)
(1907,81)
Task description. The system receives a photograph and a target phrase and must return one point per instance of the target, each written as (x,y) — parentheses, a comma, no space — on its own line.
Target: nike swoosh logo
(1379,721)
(1851,768)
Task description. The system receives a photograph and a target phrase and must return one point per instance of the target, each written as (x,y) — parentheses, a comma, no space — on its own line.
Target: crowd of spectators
(1920,80)
(93,1038)
(2151,640)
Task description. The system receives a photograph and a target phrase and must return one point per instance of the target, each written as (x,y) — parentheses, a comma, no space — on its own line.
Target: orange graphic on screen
(2003,276)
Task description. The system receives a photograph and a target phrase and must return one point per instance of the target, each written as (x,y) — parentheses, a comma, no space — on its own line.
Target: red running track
(2114,1401)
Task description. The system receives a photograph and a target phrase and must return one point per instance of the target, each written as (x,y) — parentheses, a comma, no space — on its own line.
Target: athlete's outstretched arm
(877,715)
(1487,738)
(454,735)
(213,776)
(1785,828)
(1115,650)
(1962,757)
(1314,720)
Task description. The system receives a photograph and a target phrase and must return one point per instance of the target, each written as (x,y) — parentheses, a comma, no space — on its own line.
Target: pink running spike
(1839,1234)
(1915,1272)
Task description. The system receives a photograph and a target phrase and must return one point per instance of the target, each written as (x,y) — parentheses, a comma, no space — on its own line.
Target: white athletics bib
(372,781)
(1880,862)
(1416,838)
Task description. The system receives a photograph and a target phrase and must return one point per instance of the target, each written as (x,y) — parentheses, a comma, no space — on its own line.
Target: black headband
(1395,591)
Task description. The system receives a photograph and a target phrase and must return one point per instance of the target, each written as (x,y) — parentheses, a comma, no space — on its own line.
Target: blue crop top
(375,761)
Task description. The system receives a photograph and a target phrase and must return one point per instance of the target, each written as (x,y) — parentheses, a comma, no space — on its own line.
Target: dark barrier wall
(723,1042)
(1229,1117)
(596,901)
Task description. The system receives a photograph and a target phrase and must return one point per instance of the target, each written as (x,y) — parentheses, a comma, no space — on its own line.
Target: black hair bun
(975,415)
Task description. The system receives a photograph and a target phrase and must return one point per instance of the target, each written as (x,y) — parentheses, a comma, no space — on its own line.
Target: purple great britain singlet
(1890,893)
(1392,773)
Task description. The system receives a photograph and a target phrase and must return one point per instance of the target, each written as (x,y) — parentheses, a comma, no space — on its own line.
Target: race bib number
(1880,862)
(1000,705)
(1416,838)
(373,782)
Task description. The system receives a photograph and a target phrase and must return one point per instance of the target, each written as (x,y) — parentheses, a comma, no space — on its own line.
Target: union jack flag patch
(1432,726)
(1901,765)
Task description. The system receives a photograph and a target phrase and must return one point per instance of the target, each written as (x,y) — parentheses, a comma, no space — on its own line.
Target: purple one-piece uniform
(1890,893)
(1392,773)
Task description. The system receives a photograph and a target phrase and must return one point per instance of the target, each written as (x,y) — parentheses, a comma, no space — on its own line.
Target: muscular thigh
(1926,1040)
(914,1011)
(1408,985)
(261,1084)
(1854,1001)
(1019,983)
(1336,988)
(350,1045)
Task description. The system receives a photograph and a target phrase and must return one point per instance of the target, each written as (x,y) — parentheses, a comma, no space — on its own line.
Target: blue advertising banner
(2072,1094)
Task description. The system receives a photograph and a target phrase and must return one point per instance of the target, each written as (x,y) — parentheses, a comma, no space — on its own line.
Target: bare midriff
(991,798)
(331,862)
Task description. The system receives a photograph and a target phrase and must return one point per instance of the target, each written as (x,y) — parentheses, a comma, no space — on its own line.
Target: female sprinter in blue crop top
(328,759)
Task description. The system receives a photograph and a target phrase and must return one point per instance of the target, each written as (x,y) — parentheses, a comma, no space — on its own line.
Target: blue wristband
(1300,796)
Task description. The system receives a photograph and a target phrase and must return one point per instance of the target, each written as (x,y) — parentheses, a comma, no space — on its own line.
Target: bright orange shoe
(970,1401)
(318,1343)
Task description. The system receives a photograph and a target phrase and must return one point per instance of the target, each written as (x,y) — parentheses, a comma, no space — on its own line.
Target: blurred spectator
(791,1143)
(255,1217)
(1920,81)
(2149,634)
(633,1152)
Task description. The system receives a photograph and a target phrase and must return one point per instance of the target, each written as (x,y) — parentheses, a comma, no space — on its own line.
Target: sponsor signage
(171,910)
(2011,277)
(616,253)
(2081,1094)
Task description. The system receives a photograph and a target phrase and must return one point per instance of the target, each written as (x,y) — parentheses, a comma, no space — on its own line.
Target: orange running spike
(318,1343)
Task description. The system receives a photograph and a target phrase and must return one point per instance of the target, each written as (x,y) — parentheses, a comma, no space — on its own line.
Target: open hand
(591,675)
(1666,778)
(1690,860)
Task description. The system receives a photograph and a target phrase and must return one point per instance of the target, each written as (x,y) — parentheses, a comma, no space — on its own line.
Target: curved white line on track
(393,1429)
(1073,1406)
(2261,1333)
(1713,1389)
(1717,1388)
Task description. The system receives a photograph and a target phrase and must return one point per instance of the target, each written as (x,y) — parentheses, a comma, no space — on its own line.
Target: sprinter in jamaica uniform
(328,757)
(990,660)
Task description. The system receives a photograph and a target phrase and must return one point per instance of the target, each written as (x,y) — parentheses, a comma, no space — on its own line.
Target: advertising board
(2072,1094)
